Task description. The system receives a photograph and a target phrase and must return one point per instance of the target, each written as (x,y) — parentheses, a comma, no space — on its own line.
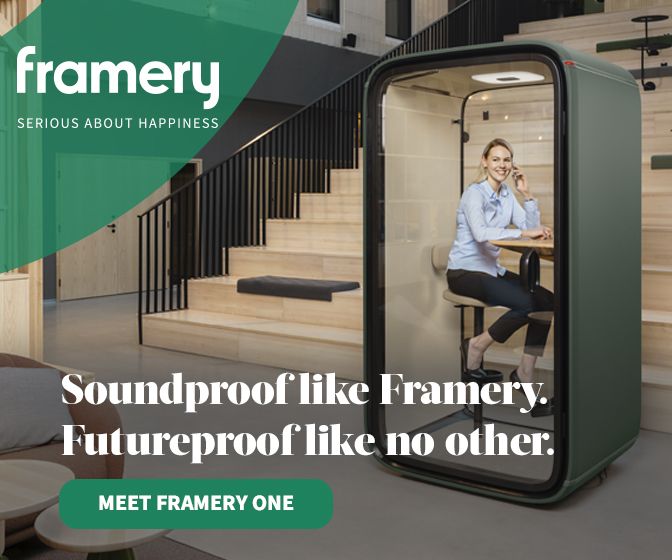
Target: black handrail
(188,233)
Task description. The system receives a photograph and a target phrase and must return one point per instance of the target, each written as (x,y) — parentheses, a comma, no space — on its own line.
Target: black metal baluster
(217,223)
(247,185)
(241,189)
(172,255)
(257,221)
(202,208)
(223,265)
(190,232)
(176,275)
(140,279)
(264,184)
(156,259)
(282,153)
(289,134)
(227,242)
(212,246)
(236,201)
(163,257)
(207,226)
(288,170)
(300,156)
(270,164)
(230,209)
(307,152)
(337,128)
(351,124)
(329,140)
(231,197)
(289,213)
(247,170)
(148,272)
(305,179)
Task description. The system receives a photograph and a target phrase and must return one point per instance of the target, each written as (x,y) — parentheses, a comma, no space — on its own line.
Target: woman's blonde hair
(481,174)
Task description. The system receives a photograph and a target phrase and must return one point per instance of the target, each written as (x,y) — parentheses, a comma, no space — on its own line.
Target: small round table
(115,544)
(28,487)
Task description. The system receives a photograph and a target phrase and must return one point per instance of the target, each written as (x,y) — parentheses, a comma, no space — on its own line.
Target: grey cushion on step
(302,288)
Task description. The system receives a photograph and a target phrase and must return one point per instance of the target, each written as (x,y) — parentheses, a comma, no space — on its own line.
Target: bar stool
(440,262)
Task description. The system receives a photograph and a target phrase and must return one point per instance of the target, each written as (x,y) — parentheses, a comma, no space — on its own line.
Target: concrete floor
(376,514)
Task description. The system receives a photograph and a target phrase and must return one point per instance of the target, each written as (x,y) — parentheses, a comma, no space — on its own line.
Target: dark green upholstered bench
(659,41)
(661,162)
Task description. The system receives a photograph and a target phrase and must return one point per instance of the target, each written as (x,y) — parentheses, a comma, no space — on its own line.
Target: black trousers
(507,291)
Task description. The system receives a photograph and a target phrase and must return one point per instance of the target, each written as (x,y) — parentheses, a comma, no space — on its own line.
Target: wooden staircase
(583,33)
(288,333)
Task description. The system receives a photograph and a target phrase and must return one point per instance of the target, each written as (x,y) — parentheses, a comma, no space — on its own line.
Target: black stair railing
(188,234)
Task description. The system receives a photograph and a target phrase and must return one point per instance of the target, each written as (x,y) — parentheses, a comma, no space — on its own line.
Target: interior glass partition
(432,123)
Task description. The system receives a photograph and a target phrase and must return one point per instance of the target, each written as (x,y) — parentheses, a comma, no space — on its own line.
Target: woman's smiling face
(498,165)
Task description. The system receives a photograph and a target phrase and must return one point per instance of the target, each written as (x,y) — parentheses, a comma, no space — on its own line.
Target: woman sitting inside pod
(487,208)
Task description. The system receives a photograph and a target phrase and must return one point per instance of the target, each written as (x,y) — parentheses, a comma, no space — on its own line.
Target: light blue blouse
(483,216)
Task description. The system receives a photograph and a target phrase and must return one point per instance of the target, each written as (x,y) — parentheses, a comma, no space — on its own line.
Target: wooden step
(658,123)
(314,234)
(657,287)
(656,181)
(588,22)
(590,43)
(657,398)
(657,209)
(219,295)
(336,207)
(330,265)
(281,344)
(347,181)
(657,246)
(656,337)
(602,29)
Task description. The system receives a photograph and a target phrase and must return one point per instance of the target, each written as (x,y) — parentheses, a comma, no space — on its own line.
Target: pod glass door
(463,183)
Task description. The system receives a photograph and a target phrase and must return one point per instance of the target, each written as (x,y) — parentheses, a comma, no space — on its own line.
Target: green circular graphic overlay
(102,102)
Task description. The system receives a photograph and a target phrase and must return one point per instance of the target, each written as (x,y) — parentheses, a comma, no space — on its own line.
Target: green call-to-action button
(184,503)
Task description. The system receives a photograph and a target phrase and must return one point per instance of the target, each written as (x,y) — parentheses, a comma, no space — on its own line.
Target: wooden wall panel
(15,320)
(9,10)
(620,5)
(22,315)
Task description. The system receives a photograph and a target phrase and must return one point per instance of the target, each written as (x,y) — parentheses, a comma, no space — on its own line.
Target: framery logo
(154,77)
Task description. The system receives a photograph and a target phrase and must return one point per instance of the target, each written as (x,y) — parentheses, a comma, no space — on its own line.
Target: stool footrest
(482,376)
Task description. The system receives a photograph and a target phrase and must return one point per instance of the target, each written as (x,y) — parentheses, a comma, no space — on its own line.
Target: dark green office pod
(502,271)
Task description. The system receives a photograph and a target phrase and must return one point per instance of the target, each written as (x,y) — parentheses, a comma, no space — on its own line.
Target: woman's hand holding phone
(520,181)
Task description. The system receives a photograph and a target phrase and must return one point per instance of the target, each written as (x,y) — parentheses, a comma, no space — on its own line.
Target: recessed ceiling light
(513,77)
(506,117)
